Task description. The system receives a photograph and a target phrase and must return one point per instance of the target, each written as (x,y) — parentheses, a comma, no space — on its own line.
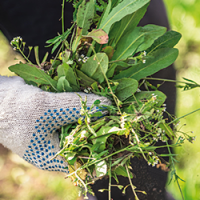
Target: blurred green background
(19,180)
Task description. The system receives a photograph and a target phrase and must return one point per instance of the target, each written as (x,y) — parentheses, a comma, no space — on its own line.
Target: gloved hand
(29,118)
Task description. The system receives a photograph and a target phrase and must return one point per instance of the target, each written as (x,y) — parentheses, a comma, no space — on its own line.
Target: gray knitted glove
(29,118)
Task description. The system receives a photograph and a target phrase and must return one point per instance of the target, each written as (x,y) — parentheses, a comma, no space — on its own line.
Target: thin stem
(24,56)
(63,26)
(85,186)
(177,119)
(109,187)
(132,186)
(173,165)
(94,162)
(168,80)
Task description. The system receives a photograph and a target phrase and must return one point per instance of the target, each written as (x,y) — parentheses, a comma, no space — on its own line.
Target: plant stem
(176,176)
(169,80)
(24,56)
(94,162)
(132,186)
(183,116)
(109,187)
(63,26)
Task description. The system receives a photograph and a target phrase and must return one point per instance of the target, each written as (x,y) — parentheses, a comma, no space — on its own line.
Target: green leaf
(67,71)
(167,130)
(126,88)
(106,12)
(127,24)
(124,8)
(150,33)
(63,85)
(122,172)
(137,40)
(168,40)
(100,140)
(85,15)
(36,51)
(98,35)
(160,97)
(109,51)
(56,41)
(84,79)
(32,73)
(158,60)
(96,66)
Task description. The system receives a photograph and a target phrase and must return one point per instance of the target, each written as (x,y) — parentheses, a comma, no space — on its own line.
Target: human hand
(29,118)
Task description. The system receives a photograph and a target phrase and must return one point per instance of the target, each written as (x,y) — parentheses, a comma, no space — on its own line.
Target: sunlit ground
(19,180)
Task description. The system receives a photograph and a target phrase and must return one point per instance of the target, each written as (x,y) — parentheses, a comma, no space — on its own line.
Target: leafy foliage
(109,61)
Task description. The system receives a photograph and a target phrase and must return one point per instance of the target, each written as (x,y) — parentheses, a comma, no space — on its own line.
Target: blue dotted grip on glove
(40,150)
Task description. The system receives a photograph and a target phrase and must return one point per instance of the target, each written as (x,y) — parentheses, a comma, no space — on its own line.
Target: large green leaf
(127,24)
(150,33)
(106,12)
(128,44)
(156,61)
(137,40)
(32,73)
(96,66)
(124,8)
(160,97)
(168,40)
(84,79)
(67,71)
(85,15)
(126,88)
(63,85)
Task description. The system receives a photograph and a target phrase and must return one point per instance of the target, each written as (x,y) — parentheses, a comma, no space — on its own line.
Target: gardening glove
(29,118)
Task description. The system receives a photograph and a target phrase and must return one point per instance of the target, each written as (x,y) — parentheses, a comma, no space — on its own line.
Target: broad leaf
(106,12)
(127,24)
(168,40)
(100,140)
(160,97)
(124,8)
(32,73)
(84,79)
(126,88)
(150,33)
(98,35)
(137,40)
(96,66)
(63,85)
(85,15)
(158,60)
(67,71)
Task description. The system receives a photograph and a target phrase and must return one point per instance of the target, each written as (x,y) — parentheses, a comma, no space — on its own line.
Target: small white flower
(145,53)
(144,61)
